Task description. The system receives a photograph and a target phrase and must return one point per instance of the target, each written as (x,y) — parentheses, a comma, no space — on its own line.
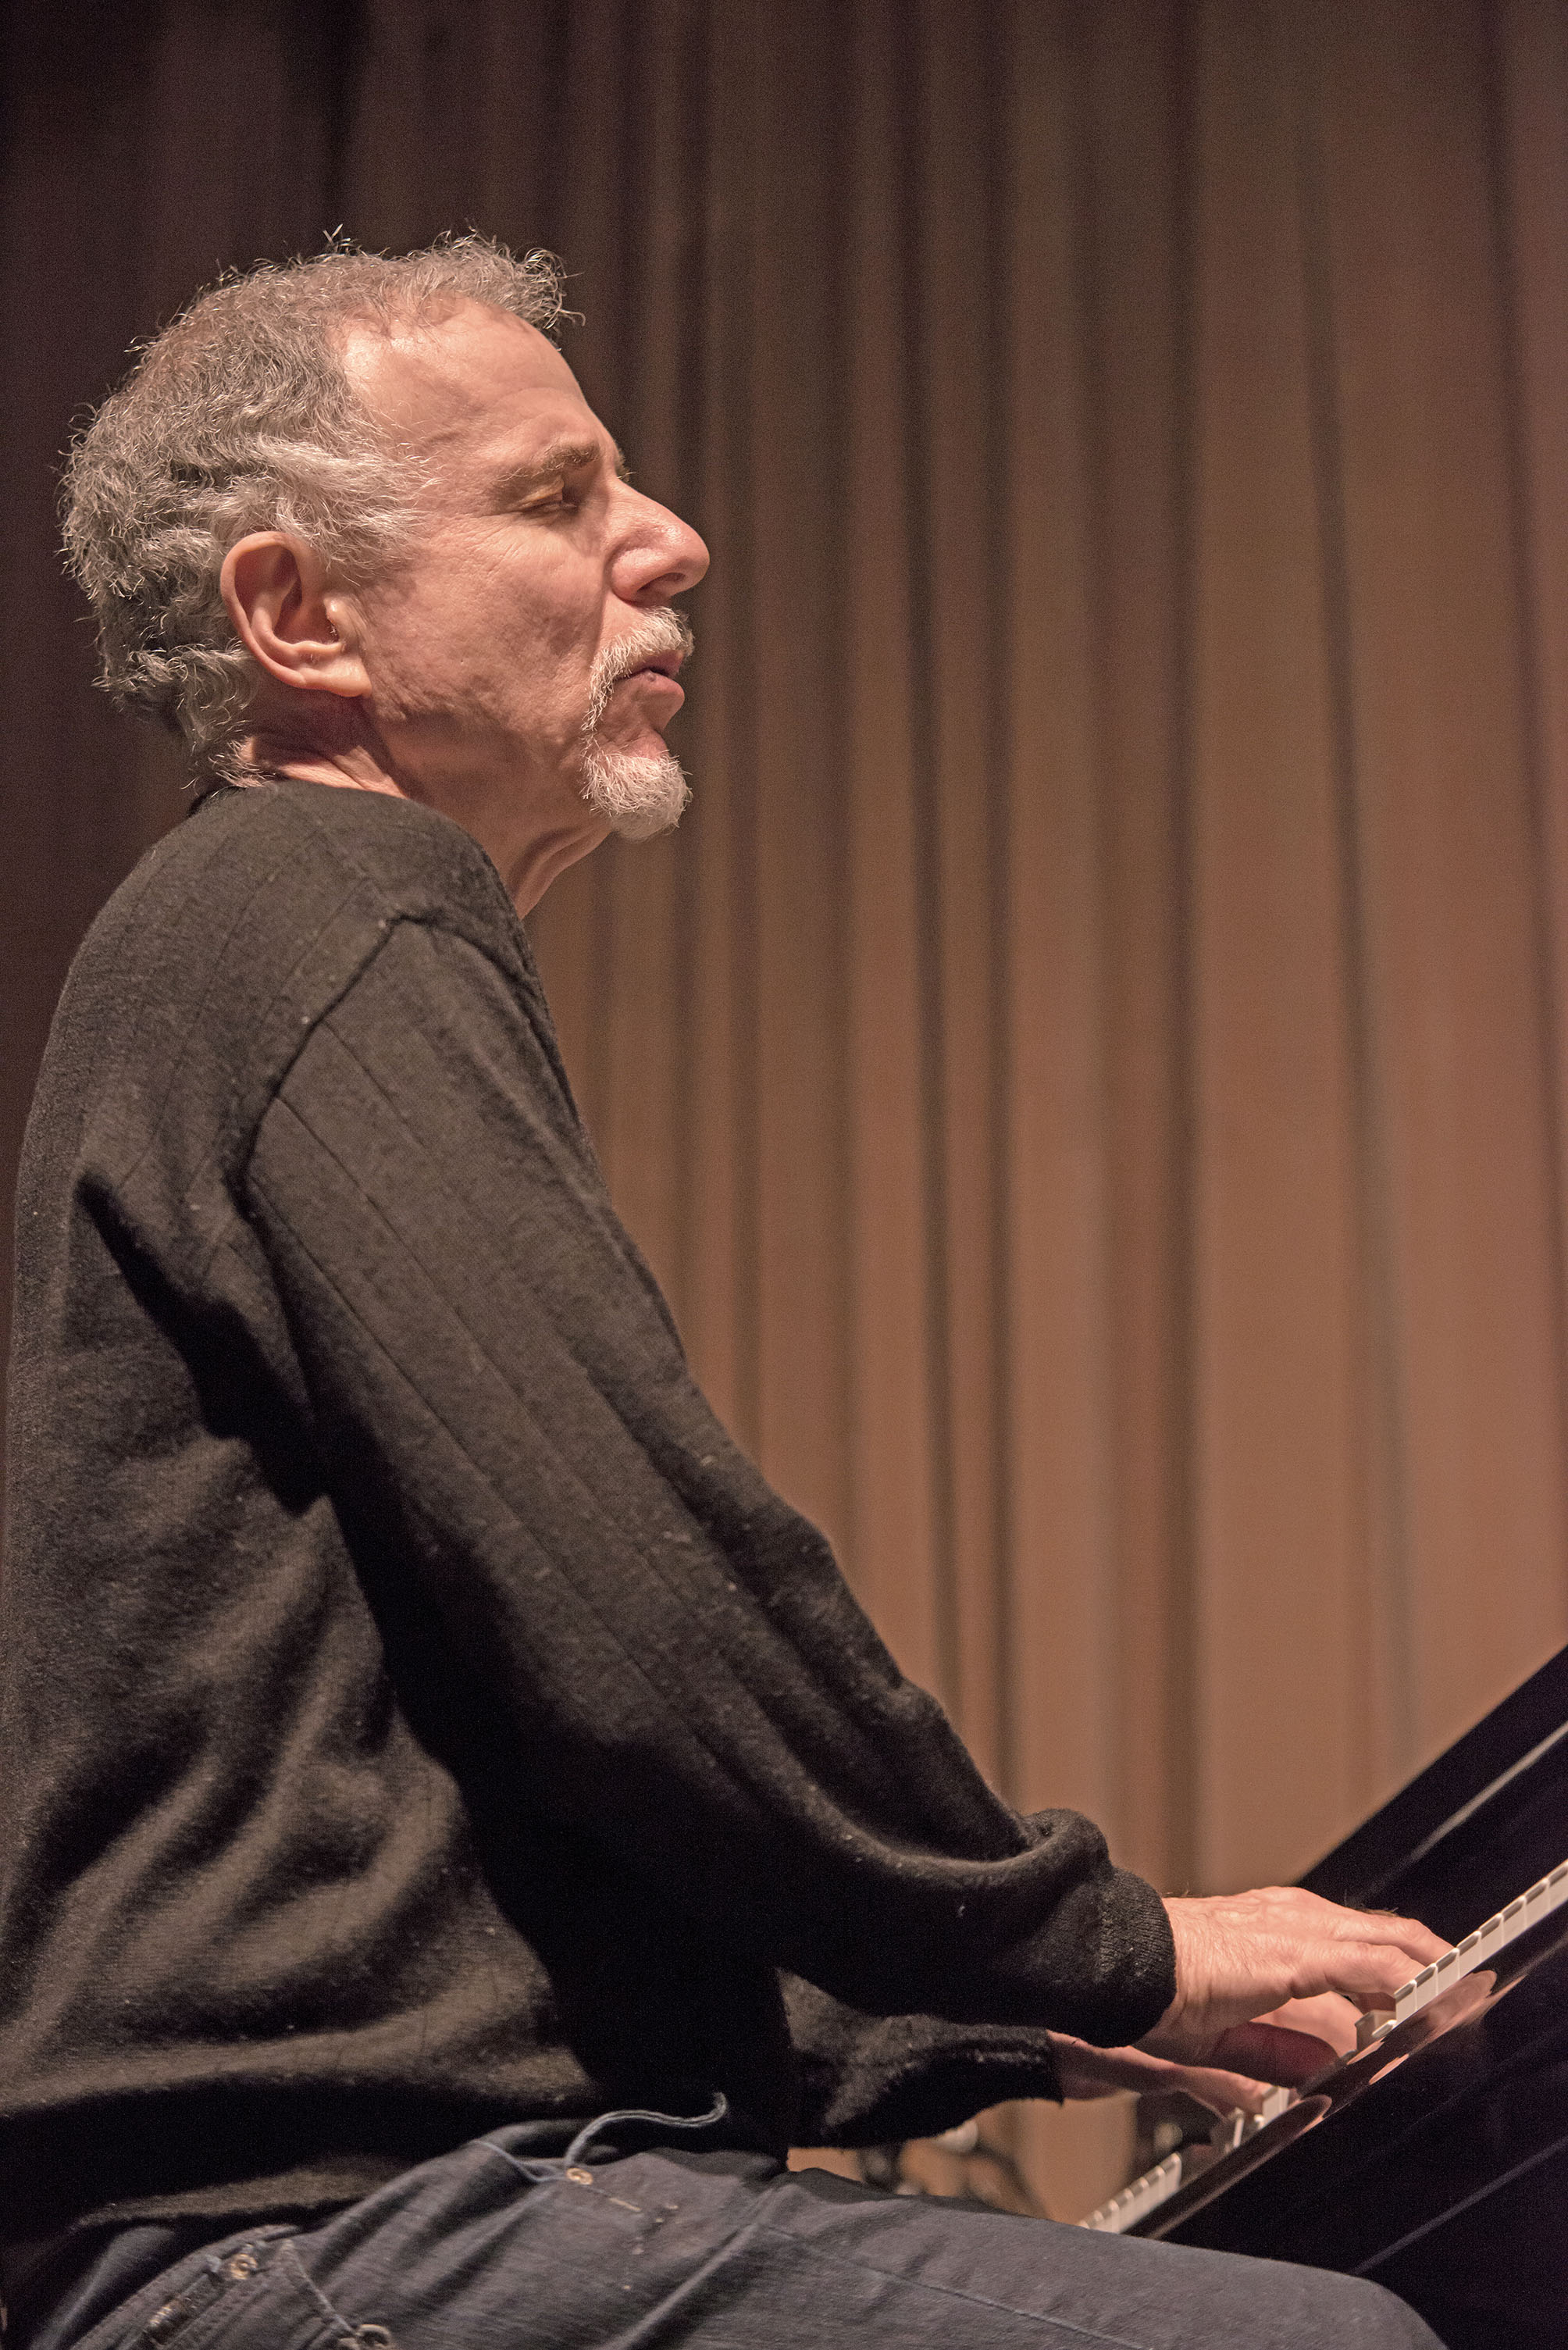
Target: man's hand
(1241,1959)
(1084,2071)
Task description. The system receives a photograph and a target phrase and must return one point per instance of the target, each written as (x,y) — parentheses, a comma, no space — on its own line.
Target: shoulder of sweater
(286,884)
(259,846)
(212,964)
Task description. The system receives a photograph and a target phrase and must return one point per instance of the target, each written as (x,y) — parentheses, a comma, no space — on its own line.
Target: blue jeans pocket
(196,2290)
(254,2295)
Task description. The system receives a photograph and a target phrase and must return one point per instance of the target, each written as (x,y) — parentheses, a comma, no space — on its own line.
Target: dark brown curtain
(1091,1070)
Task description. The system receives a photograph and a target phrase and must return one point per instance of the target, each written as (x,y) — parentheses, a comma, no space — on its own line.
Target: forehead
(472,387)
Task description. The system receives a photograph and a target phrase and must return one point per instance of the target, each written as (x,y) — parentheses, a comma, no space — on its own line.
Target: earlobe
(276,590)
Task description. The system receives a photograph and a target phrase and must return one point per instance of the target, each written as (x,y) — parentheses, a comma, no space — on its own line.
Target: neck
(527,847)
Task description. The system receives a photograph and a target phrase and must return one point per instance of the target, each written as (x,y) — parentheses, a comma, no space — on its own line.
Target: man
(459,1828)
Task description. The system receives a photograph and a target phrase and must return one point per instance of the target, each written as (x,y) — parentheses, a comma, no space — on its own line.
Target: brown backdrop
(1091,1070)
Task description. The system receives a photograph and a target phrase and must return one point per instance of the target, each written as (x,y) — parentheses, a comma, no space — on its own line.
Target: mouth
(659,690)
(648,659)
(665,665)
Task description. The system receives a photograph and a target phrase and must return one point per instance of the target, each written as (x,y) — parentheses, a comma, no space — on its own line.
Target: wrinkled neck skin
(531,829)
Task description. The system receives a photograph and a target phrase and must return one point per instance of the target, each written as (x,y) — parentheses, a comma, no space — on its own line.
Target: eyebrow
(563,456)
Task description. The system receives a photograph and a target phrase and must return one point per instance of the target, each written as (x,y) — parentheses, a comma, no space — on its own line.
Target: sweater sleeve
(869,2080)
(667,1649)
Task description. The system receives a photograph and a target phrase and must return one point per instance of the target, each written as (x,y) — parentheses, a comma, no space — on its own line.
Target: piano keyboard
(1231,2130)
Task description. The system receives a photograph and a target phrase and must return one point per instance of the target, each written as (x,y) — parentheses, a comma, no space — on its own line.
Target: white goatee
(637,794)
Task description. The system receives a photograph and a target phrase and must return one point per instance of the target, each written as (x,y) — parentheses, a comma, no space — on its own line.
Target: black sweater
(416,1713)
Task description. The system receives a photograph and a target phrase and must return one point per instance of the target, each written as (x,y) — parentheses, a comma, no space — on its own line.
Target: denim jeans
(496,2246)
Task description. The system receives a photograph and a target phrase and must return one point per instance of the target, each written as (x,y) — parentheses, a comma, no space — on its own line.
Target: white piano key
(1478,1947)
(1145,2194)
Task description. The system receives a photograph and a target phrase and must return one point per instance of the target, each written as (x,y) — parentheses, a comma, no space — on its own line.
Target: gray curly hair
(239,417)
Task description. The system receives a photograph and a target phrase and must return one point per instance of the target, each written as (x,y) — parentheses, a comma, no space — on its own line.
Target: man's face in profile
(525,637)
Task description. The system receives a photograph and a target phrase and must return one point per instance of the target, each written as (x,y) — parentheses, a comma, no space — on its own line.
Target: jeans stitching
(952,2292)
(326,2309)
(201,2324)
(127,2322)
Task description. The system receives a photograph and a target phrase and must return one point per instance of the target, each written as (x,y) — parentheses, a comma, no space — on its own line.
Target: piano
(1435,2158)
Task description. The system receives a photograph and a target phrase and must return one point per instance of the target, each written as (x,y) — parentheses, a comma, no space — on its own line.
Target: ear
(288,619)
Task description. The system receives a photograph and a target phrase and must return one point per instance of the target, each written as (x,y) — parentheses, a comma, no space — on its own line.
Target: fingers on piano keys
(1232,2131)
(1548,1894)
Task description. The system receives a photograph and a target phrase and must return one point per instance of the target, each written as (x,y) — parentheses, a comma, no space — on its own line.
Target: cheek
(505,638)
(542,610)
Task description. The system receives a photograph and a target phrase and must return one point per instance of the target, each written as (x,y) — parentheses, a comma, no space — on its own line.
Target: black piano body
(1436,2161)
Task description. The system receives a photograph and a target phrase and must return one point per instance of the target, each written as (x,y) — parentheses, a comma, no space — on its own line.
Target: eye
(565,494)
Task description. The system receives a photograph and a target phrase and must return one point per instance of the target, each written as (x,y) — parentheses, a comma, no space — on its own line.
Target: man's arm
(869,2080)
(506,1420)
(500,1395)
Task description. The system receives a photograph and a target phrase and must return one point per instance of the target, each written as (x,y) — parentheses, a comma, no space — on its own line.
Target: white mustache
(664,631)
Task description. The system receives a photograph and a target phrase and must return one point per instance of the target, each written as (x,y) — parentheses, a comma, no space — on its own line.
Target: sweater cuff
(1101,1966)
(874,2080)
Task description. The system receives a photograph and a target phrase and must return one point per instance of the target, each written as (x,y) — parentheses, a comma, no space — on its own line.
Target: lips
(658,671)
(651,655)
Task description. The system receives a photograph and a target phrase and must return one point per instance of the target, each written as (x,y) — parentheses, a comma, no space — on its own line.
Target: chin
(637,794)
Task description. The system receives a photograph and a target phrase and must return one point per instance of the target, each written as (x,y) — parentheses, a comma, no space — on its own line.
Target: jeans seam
(952,2292)
(204,2323)
(125,2325)
(326,2309)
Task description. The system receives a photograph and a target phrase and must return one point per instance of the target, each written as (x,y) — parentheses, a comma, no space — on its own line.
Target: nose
(658,555)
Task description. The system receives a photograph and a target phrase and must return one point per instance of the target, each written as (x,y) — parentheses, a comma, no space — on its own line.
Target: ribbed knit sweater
(415,1710)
